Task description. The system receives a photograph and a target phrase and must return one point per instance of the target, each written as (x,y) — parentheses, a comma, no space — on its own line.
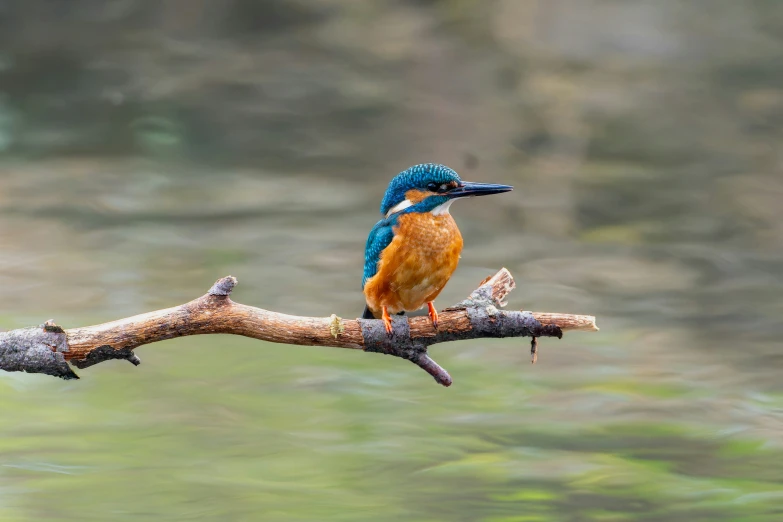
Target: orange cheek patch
(416,196)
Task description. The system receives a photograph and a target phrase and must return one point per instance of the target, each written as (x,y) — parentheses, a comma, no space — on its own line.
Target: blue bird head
(429,187)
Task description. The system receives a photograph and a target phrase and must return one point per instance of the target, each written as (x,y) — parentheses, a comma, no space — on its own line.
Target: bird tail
(367,313)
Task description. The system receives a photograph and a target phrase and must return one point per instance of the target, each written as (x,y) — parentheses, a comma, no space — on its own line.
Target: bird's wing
(380,237)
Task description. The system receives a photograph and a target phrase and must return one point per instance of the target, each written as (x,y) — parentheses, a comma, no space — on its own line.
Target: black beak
(467,189)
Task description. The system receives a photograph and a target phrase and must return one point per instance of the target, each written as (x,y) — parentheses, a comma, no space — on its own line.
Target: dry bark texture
(48,348)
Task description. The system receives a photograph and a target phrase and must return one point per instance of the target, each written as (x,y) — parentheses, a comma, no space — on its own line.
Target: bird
(414,249)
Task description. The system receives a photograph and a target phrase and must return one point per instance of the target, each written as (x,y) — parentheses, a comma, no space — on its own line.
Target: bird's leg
(387,320)
(433,313)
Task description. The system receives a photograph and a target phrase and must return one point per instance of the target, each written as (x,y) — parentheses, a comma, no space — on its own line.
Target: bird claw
(433,314)
(387,321)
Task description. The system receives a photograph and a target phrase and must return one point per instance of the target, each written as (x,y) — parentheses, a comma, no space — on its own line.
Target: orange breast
(416,265)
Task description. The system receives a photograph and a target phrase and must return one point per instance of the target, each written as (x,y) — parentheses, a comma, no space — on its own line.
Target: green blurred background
(150,147)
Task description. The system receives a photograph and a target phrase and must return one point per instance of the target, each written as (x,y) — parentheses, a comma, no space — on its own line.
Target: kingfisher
(413,250)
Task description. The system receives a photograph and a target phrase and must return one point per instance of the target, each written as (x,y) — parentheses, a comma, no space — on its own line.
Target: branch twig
(48,348)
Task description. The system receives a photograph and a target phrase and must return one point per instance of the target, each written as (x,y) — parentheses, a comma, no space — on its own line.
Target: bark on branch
(49,348)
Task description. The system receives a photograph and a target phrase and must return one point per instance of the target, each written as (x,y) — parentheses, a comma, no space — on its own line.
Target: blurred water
(149,149)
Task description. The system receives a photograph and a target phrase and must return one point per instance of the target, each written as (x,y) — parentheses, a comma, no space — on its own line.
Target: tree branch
(48,348)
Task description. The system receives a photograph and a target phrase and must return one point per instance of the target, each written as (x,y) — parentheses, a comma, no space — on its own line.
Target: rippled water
(646,160)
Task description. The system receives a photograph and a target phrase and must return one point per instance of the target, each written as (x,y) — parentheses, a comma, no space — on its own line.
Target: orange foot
(433,314)
(387,320)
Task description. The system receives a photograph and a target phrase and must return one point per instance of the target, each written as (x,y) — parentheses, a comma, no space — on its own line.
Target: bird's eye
(434,187)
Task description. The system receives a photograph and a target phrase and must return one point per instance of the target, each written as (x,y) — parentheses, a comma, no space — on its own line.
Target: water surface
(147,153)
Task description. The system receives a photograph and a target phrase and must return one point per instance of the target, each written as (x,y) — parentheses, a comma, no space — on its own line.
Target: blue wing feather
(380,237)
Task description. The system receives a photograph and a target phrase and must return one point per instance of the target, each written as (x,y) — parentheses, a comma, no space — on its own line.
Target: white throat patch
(443,208)
(402,205)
